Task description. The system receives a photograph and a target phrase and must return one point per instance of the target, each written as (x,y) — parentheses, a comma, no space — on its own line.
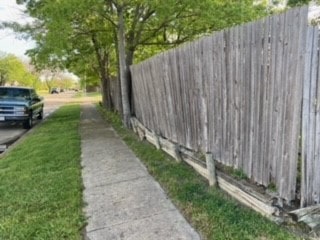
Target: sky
(9,41)
(10,11)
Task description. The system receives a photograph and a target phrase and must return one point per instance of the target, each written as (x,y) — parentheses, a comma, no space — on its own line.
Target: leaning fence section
(236,94)
(310,174)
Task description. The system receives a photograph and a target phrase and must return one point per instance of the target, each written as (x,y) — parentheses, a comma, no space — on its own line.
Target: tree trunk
(123,70)
(105,83)
(103,63)
(2,79)
(106,93)
(129,61)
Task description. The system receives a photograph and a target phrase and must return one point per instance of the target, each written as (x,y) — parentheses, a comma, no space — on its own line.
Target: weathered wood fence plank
(310,182)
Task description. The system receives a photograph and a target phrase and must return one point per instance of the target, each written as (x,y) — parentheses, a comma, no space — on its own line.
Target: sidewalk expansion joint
(122,181)
(132,220)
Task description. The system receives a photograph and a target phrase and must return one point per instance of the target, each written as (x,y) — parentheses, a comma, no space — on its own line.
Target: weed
(272,187)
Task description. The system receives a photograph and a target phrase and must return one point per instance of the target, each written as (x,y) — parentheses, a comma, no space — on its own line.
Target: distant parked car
(20,104)
(55,90)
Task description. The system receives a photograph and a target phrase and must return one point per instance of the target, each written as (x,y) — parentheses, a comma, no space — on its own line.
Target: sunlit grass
(93,97)
(41,186)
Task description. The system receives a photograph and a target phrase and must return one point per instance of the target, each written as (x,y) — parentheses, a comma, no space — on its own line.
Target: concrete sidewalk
(123,200)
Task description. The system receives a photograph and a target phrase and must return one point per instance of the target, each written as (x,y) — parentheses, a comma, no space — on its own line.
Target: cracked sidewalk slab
(122,200)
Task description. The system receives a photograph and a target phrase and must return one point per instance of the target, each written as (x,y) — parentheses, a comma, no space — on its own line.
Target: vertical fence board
(246,99)
(258,85)
(267,95)
(281,178)
(175,87)
(310,183)
(252,100)
(237,96)
(285,109)
(217,98)
(228,127)
(274,34)
(315,171)
(306,141)
(316,175)
(242,81)
(209,77)
(178,96)
(206,49)
(299,32)
(168,100)
(278,111)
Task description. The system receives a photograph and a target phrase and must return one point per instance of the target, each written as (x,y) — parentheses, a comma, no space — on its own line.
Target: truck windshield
(14,93)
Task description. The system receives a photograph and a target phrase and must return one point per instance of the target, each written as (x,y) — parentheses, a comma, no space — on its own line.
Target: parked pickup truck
(20,104)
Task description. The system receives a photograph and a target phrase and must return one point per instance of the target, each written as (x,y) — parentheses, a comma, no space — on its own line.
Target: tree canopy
(102,38)
(14,71)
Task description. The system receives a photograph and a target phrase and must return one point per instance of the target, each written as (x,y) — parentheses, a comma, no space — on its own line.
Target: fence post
(211,169)
(178,153)
(156,140)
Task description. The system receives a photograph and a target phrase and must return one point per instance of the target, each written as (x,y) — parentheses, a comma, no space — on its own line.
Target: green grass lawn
(95,96)
(40,182)
(41,188)
(214,214)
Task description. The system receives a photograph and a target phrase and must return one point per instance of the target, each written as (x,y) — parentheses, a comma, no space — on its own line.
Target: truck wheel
(40,116)
(28,123)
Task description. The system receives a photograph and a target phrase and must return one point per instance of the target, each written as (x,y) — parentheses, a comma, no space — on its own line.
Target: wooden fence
(236,94)
(310,182)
